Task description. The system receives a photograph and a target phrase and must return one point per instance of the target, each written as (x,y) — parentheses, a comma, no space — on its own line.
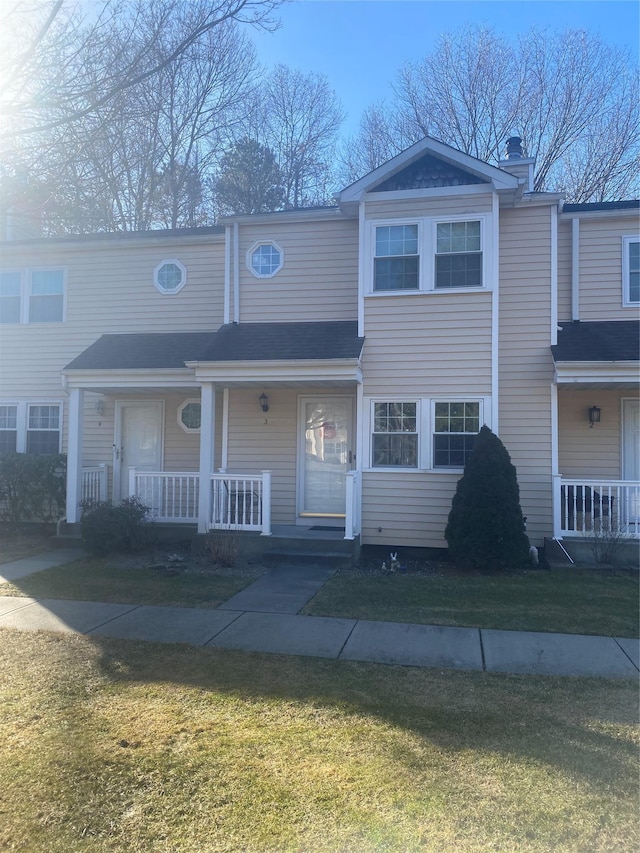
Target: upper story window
(458,254)
(170,276)
(429,255)
(32,296)
(396,258)
(265,259)
(631,270)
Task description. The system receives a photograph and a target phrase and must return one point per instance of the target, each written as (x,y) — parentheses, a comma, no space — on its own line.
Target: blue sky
(360,44)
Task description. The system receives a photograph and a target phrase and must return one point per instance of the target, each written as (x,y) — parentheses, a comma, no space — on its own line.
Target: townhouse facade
(328,368)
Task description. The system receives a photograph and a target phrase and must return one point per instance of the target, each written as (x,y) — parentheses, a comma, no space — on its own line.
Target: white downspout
(575,269)
(236,273)
(227,275)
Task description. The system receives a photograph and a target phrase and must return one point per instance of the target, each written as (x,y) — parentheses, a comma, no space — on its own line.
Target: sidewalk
(263,618)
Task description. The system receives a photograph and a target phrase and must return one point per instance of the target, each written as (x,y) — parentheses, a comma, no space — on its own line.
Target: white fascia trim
(431,193)
(554,275)
(88,380)
(503,180)
(495,314)
(576,372)
(285,216)
(629,213)
(280,371)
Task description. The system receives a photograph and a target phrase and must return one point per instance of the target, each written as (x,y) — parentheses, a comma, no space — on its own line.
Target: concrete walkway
(263,618)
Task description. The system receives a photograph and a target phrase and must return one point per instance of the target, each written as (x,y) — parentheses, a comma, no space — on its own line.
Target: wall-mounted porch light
(100,407)
(594,416)
(264,402)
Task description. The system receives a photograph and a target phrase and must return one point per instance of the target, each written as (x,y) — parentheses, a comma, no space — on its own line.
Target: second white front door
(138,440)
(325,456)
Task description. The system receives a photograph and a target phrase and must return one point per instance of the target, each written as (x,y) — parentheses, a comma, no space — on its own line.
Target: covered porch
(596,487)
(270,443)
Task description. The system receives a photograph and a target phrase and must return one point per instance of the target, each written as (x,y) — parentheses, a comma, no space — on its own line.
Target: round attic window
(170,276)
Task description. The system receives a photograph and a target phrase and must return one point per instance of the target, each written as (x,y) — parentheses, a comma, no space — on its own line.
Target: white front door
(138,441)
(325,456)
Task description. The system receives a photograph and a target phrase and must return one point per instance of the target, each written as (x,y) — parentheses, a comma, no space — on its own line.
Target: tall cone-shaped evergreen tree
(486,530)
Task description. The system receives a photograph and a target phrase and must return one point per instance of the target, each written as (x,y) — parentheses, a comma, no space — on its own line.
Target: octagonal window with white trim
(190,415)
(170,276)
(265,259)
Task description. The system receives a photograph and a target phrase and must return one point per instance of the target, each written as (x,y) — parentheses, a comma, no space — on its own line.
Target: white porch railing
(352,505)
(584,506)
(241,502)
(94,483)
(172,496)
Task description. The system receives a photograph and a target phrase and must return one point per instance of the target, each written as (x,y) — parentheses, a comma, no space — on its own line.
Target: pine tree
(486,530)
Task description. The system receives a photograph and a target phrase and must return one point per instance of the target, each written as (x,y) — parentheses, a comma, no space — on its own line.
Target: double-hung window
(396,262)
(8,428)
(32,296)
(43,429)
(30,427)
(458,255)
(395,435)
(631,270)
(431,255)
(455,426)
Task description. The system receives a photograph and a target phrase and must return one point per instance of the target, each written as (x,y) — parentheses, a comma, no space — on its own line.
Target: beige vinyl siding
(601,268)
(525,363)
(421,208)
(411,509)
(266,442)
(585,451)
(565,244)
(428,344)
(109,290)
(319,279)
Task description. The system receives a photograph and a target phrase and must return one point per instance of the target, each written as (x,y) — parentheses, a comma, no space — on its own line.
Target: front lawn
(110,746)
(104,579)
(569,601)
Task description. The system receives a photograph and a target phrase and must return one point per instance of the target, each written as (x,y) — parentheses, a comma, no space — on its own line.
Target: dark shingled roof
(234,342)
(588,206)
(606,340)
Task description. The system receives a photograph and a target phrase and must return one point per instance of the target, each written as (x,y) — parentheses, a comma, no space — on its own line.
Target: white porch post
(207,441)
(266,503)
(74,455)
(557,506)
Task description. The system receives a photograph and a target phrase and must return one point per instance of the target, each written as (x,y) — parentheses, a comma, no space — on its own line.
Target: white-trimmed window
(170,276)
(455,426)
(458,254)
(425,433)
(430,255)
(396,263)
(32,296)
(395,434)
(631,270)
(265,259)
(190,415)
(30,427)
(8,428)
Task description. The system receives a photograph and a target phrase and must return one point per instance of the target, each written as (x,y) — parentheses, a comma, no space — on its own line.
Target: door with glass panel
(326,454)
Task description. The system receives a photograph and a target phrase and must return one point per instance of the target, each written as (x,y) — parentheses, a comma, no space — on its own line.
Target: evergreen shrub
(486,528)
(32,488)
(108,528)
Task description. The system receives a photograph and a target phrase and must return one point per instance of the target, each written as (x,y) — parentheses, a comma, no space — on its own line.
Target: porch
(587,507)
(233,502)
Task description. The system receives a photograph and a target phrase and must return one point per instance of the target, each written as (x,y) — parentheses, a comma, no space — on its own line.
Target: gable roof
(233,342)
(603,340)
(429,150)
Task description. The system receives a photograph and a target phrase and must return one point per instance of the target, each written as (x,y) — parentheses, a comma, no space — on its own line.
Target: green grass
(109,746)
(96,579)
(575,601)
